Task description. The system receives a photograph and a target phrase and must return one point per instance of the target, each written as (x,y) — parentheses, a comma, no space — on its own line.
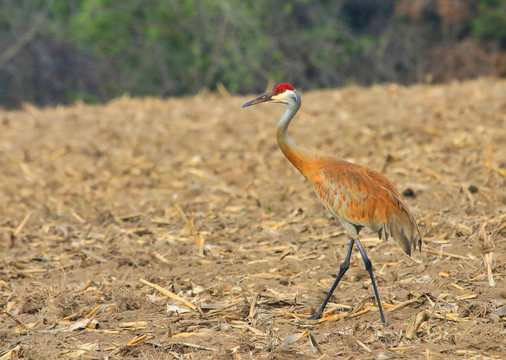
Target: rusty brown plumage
(364,197)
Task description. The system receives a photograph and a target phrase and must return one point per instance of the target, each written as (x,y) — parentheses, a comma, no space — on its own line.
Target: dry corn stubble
(150,228)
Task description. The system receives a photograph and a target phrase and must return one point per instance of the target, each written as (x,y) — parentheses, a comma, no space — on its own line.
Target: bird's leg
(342,269)
(368,267)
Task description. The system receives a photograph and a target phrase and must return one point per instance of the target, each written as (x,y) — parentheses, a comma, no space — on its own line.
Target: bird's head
(282,93)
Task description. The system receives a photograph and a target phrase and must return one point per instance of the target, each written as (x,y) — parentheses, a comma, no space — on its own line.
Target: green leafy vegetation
(490,22)
(60,51)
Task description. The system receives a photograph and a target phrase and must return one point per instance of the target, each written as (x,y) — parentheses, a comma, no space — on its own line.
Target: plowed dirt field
(176,229)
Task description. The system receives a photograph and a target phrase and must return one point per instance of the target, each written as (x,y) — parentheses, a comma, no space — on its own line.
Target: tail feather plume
(403,228)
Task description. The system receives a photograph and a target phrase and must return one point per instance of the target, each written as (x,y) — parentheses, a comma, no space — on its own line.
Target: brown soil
(193,195)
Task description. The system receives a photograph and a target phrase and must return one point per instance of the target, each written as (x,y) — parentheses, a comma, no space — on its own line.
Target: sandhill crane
(355,195)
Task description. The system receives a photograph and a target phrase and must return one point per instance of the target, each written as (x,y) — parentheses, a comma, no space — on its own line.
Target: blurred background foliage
(60,51)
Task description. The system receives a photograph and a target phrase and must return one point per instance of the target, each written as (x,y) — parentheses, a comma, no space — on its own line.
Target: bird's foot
(316,316)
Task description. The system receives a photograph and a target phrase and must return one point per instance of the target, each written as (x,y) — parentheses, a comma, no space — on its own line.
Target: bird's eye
(283,90)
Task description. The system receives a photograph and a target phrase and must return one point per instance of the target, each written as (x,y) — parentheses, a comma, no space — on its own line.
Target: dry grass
(176,229)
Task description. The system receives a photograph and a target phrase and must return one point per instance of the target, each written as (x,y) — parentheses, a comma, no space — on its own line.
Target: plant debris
(149,228)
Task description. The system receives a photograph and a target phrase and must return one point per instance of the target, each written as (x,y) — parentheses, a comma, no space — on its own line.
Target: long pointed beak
(259,100)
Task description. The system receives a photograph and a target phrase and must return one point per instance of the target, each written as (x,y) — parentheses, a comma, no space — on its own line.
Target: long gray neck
(282,130)
(298,156)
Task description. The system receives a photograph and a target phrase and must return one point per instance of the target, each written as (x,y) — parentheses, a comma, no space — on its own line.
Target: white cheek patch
(282,97)
(278,97)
